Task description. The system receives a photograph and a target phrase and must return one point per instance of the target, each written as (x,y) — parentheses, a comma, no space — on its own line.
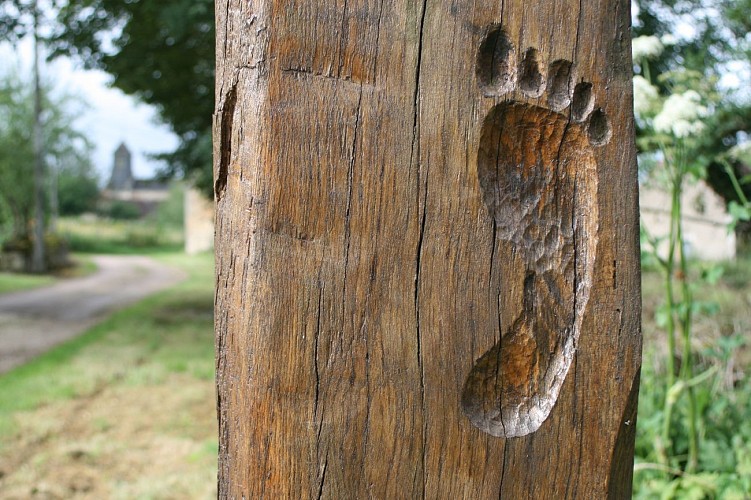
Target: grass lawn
(127,410)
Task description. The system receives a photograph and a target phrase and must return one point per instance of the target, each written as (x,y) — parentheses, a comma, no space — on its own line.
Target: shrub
(123,210)
(56,250)
(77,194)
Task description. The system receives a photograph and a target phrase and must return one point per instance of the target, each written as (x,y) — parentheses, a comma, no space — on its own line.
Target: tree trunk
(427,249)
(38,264)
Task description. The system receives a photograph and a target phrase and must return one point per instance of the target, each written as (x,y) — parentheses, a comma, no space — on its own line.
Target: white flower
(681,115)
(686,128)
(740,151)
(668,40)
(646,47)
(645,96)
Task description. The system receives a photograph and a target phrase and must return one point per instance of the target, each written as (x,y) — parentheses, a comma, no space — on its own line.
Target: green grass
(15,282)
(126,410)
(170,332)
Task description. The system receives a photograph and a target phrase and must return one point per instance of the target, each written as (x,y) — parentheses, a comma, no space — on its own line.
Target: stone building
(146,194)
(122,174)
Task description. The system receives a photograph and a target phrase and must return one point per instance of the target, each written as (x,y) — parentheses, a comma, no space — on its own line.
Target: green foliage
(721,354)
(17,16)
(739,212)
(122,210)
(67,148)
(77,190)
(725,461)
(124,230)
(162,52)
(170,213)
(55,256)
(16,154)
(696,62)
(142,237)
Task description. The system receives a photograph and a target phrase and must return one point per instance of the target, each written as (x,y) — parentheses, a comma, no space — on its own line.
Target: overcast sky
(112,117)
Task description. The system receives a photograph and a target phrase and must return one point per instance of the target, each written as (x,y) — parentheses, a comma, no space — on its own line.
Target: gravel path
(33,321)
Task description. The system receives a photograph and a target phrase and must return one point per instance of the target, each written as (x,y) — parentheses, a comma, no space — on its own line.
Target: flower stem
(686,318)
(673,234)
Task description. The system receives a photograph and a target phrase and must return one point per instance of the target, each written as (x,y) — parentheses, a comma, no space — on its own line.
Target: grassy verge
(133,397)
(14,282)
(82,266)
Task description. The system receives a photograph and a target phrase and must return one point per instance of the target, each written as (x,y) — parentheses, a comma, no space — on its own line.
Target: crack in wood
(227,116)
(416,156)
(302,72)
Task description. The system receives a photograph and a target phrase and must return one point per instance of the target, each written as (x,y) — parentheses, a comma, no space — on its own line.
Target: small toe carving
(559,85)
(531,80)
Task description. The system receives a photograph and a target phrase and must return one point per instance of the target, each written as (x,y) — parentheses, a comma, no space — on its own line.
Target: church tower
(122,175)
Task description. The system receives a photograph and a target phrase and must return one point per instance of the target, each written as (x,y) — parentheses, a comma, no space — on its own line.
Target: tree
(63,144)
(164,53)
(19,18)
(161,52)
(16,156)
(427,250)
(38,260)
(78,189)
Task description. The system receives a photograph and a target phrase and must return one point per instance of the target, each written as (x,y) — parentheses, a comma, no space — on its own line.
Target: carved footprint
(538,174)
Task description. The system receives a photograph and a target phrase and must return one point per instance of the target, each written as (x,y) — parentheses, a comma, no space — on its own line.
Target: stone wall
(705,220)
(199,222)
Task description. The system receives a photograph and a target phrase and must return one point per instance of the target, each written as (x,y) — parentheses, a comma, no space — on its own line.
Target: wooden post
(427,249)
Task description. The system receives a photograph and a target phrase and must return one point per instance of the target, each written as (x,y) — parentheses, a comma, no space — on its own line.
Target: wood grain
(362,263)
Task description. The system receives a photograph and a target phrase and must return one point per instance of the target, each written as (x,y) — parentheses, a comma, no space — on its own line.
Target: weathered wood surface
(427,249)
